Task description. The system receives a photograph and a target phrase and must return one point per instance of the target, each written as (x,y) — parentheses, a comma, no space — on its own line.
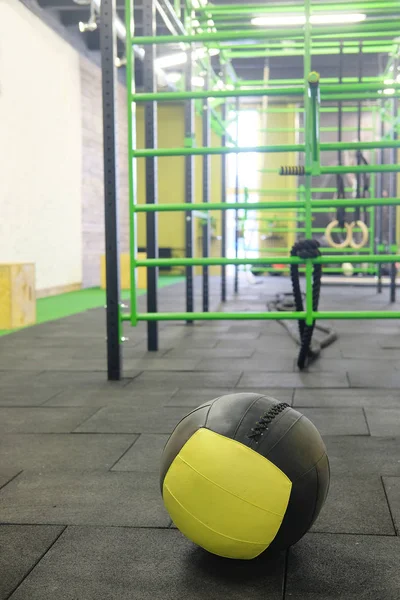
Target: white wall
(40,149)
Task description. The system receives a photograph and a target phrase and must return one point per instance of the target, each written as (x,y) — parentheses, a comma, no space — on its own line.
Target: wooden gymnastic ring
(364,232)
(328,235)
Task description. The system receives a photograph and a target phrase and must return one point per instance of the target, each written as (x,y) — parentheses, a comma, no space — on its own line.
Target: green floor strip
(64,305)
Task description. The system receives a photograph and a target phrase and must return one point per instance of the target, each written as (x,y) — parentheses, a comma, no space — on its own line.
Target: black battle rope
(305,249)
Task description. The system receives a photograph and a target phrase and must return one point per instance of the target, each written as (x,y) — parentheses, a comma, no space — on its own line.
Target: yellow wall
(171,178)
(274,180)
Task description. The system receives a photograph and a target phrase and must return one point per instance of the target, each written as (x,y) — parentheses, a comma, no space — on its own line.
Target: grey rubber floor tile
(392,487)
(144,455)
(133,420)
(193,398)
(42,420)
(346,398)
(384,421)
(118,563)
(21,547)
(349,567)
(126,396)
(210,353)
(238,336)
(337,421)
(374,379)
(84,498)
(6,475)
(77,378)
(355,505)
(363,455)
(27,395)
(193,379)
(293,380)
(8,378)
(375,351)
(263,344)
(185,342)
(263,364)
(162,364)
(62,451)
(352,364)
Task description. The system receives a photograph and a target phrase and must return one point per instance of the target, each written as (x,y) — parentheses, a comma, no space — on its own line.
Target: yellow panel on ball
(224,496)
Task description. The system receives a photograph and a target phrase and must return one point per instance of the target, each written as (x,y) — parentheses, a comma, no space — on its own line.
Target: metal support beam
(150,119)
(393,209)
(206,126)
(108,53)
(189,183)
(224,115)
(379,220)
(236,281)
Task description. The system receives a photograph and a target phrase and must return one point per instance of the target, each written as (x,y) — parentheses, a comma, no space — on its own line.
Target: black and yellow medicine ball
(243,473)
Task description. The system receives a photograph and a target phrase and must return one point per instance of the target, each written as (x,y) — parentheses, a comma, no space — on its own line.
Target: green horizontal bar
(160,152)
(296,8)
(214,316)
(285,205)
(328,92)
(323,80)
(273,229)
(353,29)
(287,52)
(261,316)
(361,169)
(301,129)
(328,250)
(302,270)
(362,314)
(324,147)
(173,96)
(359,145)
(289,260)
(218,206)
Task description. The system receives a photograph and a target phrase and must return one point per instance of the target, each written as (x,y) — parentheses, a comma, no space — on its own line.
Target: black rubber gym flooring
(80,507)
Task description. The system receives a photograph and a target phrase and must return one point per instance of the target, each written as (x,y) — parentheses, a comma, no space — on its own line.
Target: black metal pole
(357,211)
(236,283)
(223,196)
(379,213)
(150,119)
(108,53)
(189,184)
(206,123)
(393,209)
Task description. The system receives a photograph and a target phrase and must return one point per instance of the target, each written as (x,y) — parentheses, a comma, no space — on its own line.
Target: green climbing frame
(218,29)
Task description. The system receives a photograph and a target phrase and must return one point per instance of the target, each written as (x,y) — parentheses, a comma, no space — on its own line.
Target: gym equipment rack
(192,27)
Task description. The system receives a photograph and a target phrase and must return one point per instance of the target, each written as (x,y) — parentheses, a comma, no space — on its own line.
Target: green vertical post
(308,127)
(131,159)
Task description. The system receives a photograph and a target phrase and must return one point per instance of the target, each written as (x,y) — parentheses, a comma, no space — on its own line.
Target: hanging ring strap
(340,211)
(364,234)
(305,249)
(331,241)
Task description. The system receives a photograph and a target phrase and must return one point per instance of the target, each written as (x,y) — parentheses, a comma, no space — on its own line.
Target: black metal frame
(223,194)
(150,119)
(206,130)
(189,184)
(108,52)
(393,209)
(236,281)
